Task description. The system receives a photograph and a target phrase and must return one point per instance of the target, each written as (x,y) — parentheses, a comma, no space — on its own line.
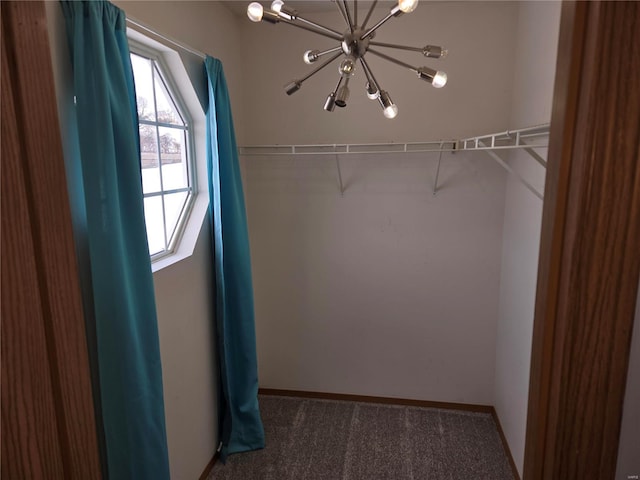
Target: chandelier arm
(370,81)
(314,30)
(341,10)
(355,13)
(369,73)
(399,47)
(340,78)
(319,27)
(366,19)
(319,67)
(329,50)
(429,51)
(349,19)
(394,60)
(378,25)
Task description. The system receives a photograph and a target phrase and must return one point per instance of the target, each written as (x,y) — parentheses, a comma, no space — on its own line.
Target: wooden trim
(29,429)
(207,470)
(505,444)
(590,256)
(48,423)
(567,83)
(469,407)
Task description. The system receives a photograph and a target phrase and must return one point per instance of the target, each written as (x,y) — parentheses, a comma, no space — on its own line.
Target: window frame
(174,93)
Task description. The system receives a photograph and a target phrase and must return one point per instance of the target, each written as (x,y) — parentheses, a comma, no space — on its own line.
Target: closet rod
(139,25)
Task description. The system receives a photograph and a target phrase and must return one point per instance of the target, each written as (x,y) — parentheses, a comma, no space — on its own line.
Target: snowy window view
(164,140)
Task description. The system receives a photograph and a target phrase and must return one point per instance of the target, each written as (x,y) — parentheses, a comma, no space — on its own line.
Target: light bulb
(310,56)
(407,6)
(435,77)
(255,11)
(283,11)
(347,66)
(391,111)
(389,108)
(439,79)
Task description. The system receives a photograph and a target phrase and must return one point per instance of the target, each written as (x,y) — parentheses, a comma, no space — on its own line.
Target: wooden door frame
(589,255)
(48,420)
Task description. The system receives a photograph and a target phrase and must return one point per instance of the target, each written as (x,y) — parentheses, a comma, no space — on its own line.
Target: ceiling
(239,7)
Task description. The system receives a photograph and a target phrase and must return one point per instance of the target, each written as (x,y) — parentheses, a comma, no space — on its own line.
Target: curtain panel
(241,425)
(109,216)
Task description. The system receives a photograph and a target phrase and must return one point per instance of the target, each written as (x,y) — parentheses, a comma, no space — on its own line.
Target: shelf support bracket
(536,156)
(435,182)
(341,186)
(508,168)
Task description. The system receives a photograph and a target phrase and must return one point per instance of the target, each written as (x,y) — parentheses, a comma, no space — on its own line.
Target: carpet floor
(309,439)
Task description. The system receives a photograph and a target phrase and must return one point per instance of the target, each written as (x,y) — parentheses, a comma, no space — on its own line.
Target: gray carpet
(333,440)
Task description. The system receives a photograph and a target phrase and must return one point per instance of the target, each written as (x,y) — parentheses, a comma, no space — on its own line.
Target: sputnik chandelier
(355,42)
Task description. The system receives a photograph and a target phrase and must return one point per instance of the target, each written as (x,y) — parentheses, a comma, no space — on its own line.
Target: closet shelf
(527,139)
(345,149)
(507,140)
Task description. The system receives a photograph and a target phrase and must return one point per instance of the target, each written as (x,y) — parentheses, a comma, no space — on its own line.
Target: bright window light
(165,146)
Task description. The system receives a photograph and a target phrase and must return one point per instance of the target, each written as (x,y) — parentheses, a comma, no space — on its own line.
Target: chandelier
(354,43)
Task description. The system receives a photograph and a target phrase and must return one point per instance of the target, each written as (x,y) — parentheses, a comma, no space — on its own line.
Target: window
(165,150)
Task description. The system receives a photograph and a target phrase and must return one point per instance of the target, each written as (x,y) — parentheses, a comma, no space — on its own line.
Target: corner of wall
(533,76)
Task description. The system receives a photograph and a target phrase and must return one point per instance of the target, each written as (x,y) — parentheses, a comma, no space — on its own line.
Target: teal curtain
(111,217)
(241,426)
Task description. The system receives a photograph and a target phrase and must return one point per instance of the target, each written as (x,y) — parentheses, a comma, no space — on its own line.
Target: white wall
(184,299)
(184,291)
(538,26)
(476,100)
(387,291)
